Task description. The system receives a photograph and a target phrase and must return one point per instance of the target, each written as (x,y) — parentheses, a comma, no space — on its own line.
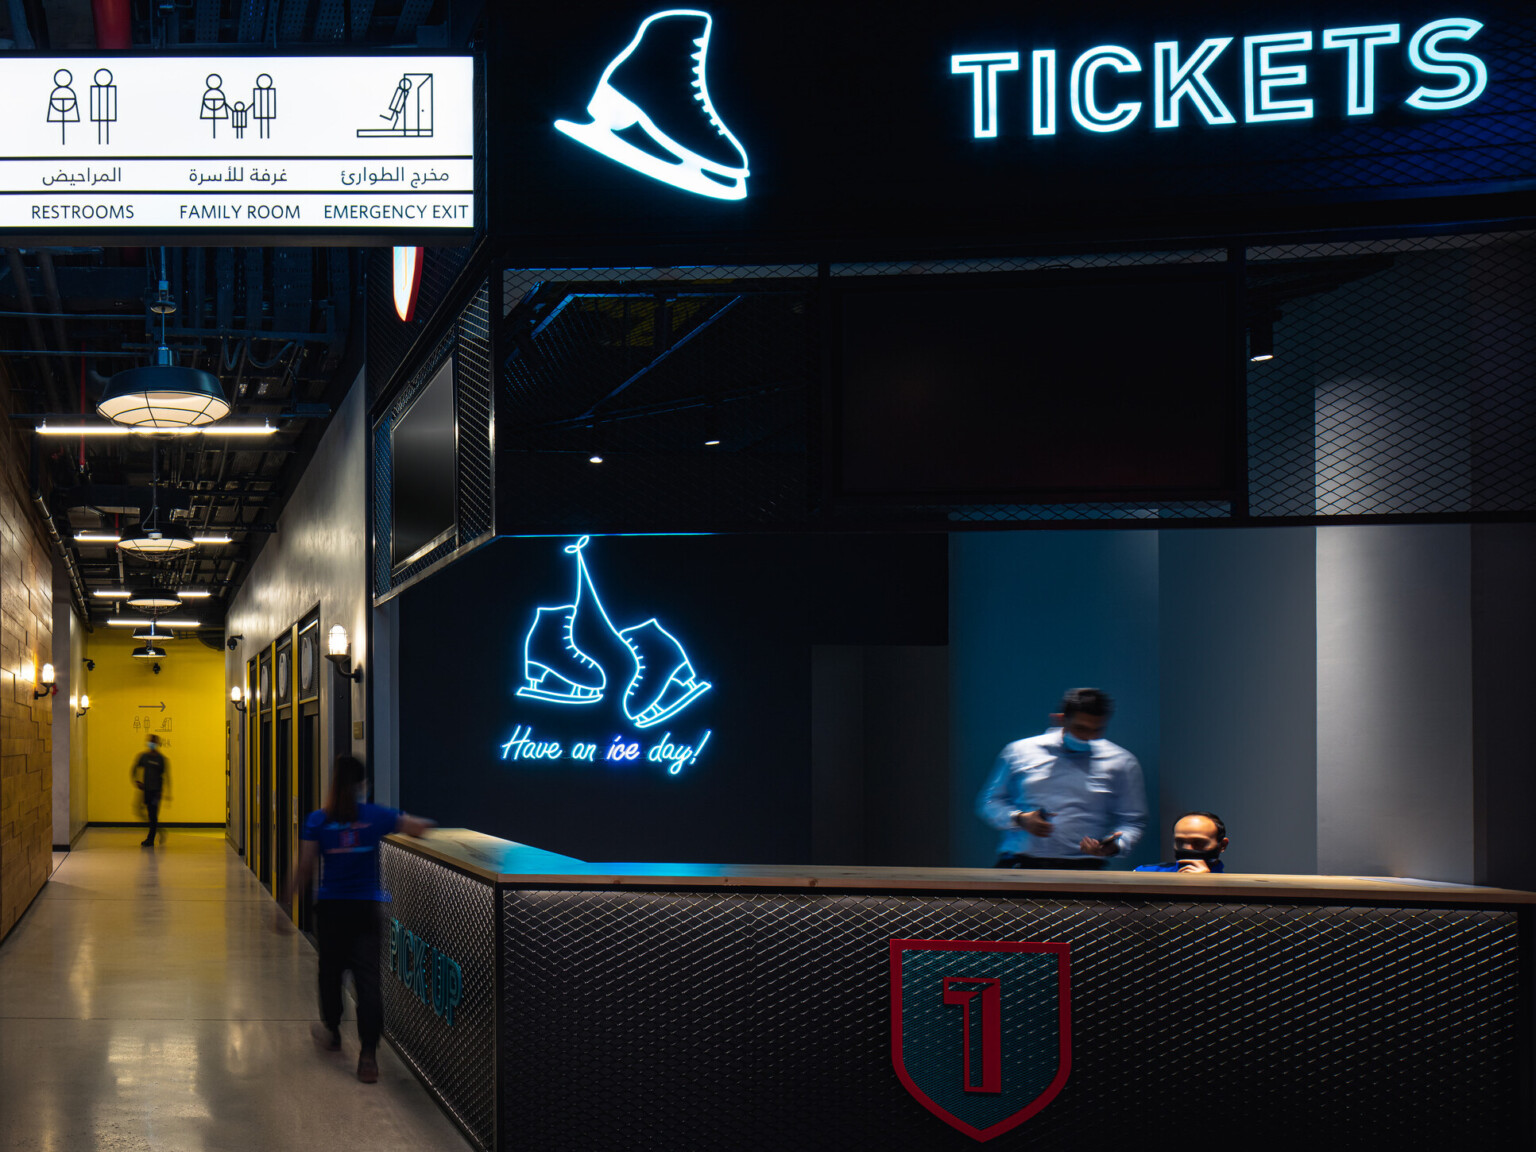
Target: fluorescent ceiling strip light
(194,593)
(212,540)
(160,622)
(119,430)
(111,595)
(97,537)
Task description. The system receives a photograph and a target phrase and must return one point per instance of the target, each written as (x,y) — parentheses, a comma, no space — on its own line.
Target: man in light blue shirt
(1068,798)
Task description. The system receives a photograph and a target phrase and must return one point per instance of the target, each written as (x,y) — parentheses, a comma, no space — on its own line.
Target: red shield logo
(981,1030)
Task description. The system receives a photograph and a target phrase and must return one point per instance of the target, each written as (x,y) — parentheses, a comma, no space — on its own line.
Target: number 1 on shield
(988,1021)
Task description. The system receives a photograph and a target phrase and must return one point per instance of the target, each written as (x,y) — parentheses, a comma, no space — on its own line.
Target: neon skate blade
(687,174)
(559,690)
(656,713)
(530,692)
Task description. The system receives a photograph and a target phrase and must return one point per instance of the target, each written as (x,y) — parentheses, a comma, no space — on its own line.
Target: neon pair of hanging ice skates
(660,681)
(652,112)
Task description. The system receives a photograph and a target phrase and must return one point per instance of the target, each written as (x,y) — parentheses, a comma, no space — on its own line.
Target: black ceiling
(281,327)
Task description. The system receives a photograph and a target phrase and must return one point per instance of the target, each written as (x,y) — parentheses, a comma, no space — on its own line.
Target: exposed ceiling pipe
(49,371)
(114,28)
(51,293)
(76,581)
(20,32)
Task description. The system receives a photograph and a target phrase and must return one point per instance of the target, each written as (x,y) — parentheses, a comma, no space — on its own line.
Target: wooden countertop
(506,862)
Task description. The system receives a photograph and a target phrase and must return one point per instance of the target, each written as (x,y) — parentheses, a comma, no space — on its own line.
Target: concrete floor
(146,1003)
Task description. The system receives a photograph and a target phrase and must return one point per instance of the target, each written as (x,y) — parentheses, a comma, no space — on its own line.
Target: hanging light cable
(154,539)
(163,394)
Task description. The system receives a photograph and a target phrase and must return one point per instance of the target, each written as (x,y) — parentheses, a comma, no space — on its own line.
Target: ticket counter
(556,1004)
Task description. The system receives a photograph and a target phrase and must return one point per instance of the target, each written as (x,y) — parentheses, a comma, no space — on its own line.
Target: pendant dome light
(163,394)
(153,600)
(152,541)
(153,634)
(154,538)
(148,651)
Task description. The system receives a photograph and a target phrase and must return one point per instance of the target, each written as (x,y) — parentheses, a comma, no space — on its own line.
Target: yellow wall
(191,727)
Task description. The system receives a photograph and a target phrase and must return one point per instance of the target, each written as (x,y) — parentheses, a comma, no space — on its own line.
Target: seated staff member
(1199,839)
(1068,798)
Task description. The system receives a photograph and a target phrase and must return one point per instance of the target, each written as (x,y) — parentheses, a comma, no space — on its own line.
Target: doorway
(264,830)
(308,789)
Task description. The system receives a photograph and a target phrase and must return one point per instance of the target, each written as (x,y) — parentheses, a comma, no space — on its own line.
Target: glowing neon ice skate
(660,680)
(551,645)
(665,683)
(648,72)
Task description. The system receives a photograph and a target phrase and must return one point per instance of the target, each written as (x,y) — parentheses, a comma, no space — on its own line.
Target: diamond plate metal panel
(455,914)
(469,340)
(477,466)
(742,1020)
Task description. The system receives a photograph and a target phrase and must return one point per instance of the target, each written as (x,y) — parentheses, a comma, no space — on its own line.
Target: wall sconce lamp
(45,678)
(237,698)
(339,652)
(85,704)
(90,665)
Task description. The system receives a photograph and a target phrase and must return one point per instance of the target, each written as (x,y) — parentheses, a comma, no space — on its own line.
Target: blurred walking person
(152,776)
(342,840)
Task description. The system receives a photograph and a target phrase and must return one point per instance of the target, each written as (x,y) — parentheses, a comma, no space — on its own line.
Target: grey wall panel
(837,753)
(1394,701)
(70,762)
(1239,691)
(1504,679)
(319,555)
(906,735)
(1032,614)
(879,754)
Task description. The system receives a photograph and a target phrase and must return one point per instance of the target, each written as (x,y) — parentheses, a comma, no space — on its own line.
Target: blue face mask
(1073,744)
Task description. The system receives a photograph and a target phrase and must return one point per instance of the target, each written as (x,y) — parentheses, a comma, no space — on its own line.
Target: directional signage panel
(250,144)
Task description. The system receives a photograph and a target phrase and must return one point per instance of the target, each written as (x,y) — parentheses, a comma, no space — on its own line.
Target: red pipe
(113,27)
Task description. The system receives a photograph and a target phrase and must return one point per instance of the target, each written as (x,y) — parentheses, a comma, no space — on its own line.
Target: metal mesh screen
(454,914)
(1403,380)
(469,341)
(389,337)
(1035,263)
(1403,384)
(680,1020)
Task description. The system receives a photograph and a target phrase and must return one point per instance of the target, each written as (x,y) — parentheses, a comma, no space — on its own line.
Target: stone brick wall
(26,642)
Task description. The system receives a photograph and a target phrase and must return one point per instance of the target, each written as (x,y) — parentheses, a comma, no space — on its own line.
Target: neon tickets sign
(575,657)
(1275,68)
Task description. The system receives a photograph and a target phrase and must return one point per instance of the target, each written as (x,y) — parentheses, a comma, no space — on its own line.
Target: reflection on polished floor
(146,1003)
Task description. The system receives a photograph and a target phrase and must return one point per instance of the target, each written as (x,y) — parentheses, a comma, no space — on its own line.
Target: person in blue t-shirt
(343,840)
(1199,839)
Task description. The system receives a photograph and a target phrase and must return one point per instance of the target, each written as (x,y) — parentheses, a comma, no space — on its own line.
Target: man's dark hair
(155,740)
(1221,829)
(1087,700)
